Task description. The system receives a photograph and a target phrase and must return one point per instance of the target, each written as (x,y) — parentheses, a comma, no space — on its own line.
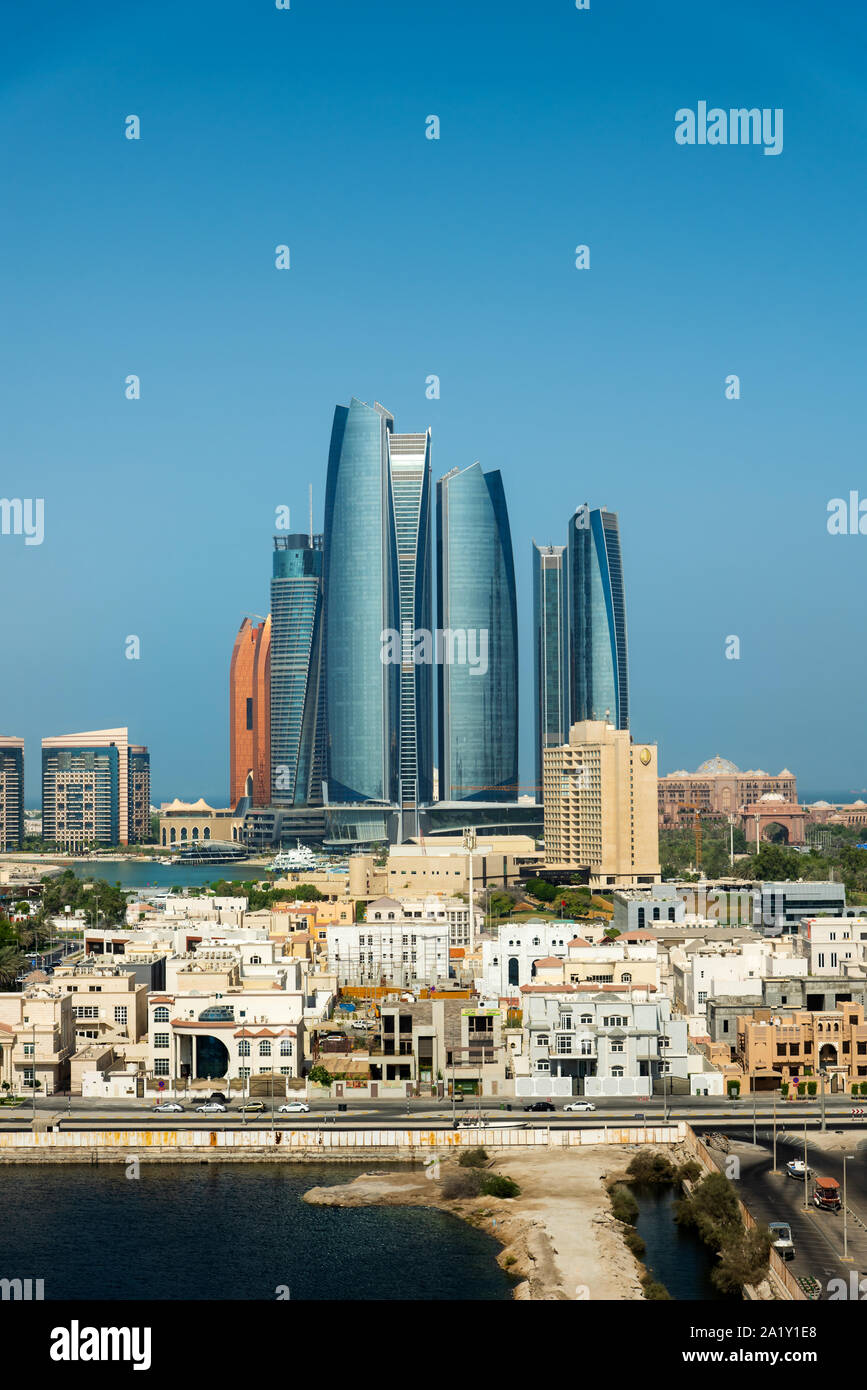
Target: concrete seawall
(304,1145)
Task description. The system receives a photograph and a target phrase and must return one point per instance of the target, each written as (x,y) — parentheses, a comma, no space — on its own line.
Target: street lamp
(822,1078)
(846,1158)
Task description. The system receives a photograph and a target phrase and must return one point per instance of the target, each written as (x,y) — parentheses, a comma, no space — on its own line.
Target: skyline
(156,258)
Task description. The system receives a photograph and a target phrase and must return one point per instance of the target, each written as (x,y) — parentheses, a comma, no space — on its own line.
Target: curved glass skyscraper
(296,725)
(362,601)
(478,656)
(598,665)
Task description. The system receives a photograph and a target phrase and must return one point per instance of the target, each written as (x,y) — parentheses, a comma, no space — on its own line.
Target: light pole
(846,1158)
(774,1169)
(822,1077)
(806,1180)
(754,1110)
(33,1120)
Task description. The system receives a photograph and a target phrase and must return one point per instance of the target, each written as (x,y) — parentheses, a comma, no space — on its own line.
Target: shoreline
(558,1236)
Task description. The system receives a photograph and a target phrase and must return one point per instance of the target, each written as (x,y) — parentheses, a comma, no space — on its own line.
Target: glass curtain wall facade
(477,615)
(296,734)
(362,603)
(550,663)
(81,796)
(598,663)
(409,466)
(11,793)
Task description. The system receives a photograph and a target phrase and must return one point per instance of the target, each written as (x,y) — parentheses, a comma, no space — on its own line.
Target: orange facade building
(250,713)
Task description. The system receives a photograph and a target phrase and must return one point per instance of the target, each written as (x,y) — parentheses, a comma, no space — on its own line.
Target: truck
(781,1239)
(826,1194)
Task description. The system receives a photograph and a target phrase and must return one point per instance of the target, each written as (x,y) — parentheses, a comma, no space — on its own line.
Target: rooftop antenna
(311,515)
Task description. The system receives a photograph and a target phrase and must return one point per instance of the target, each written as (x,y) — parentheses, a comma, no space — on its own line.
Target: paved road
(772,1196)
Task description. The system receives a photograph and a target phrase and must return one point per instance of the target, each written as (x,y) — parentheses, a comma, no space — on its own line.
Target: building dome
(715,767)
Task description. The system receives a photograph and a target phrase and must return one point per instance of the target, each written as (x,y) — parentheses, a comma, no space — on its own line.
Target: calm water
(677,1257)
(230,1232)
(143,874)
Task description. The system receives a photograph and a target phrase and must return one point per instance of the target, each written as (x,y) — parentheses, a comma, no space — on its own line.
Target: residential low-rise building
(804,1045)
(108,1003)
(402,952)
(37,1040)
(834,945)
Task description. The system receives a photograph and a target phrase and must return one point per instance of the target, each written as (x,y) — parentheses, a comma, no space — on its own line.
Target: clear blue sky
(412,257)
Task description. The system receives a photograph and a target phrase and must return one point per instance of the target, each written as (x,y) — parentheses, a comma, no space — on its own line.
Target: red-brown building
(250,713)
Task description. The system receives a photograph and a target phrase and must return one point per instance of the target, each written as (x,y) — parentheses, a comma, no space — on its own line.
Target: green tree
(12,962)
(320,1076)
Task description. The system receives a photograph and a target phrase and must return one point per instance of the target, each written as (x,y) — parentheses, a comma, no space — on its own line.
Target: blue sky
(453,257)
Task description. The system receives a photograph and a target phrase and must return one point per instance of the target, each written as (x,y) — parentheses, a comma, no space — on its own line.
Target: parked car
(796,1168)
(295,1107)
(167,1107)
(781,1237)
(580,1105)
(540,1105)
(211,1107)
(639,1115)
(458,1098)
(826,1194)
(252,1106)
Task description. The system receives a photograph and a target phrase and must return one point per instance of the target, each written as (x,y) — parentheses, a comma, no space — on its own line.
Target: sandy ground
(558,1236)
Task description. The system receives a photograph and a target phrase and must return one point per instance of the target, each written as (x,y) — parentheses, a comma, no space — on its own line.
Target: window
(564,1043)
(542,1040)
(702,996)
(161,1015)
(120,1013)
(243,1048)
(161,1040)
(617,1047)
(586,1018)
(243,1072)
(566,1021)
(161,1066)
(543,1066)
(286,1048)
(616,1071)
(285,1071)
(265,1049)
(29,1050)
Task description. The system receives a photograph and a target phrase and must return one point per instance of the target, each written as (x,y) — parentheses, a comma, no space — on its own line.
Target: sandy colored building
(186,823)
(719,788)
(37,1039)
(108,1004)
(250,713)
(771,1048)
(599,793)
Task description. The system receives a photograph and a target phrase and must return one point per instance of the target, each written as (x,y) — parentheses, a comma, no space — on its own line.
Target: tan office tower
(249,714)
(599,793)
(85,789)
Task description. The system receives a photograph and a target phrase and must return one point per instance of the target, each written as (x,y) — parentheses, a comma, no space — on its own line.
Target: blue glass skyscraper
(550,651)
(362,601)
(477,613)
(297,732)
(598,661)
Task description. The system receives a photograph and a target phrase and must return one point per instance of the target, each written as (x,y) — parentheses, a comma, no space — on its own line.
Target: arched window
(286,1047)
(183,833)
(514,970)
(626,977)
(161,1015)
(243,1048)
(255,960)
(207,834)
(174,834)
(265,1049)
(195,832)
(586,1018)
(164,834)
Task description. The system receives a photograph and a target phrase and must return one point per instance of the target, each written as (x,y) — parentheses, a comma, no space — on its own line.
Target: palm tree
(11,964)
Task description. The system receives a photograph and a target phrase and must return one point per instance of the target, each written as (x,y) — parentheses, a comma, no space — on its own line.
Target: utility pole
(822,1077)
(754,1110)
(774,1169)
(846,1158)
(806,1180)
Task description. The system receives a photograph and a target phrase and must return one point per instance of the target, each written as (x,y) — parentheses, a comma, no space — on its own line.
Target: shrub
(457,1185)
(690,1171)
(632,1240)
(802,1088)
(473,1158)
(784,1090)
(811,1088)
(734,1088)
(494,1185)
(743,1260)
(651,1167)
(623,1205)
(653,1289)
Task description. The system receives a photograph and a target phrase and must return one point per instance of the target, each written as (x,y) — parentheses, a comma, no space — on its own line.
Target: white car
(212,1107)
(580,1105)
(295,1107)
(168,1107)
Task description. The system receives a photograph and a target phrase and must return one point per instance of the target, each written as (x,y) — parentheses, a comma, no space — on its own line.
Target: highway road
(715,1113)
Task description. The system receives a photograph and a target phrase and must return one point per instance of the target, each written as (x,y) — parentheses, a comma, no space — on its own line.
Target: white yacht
(293,860)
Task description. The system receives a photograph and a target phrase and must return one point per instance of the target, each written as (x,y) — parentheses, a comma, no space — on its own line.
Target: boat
(294,860)
(796,1168)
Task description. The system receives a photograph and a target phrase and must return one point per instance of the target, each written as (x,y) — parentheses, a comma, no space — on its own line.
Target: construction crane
(696,825)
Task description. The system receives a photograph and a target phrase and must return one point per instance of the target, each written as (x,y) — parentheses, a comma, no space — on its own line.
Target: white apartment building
(399,951)
(509,961)
(700,972)
(582,1040)
(225,1034)
(439,908)
(834,945)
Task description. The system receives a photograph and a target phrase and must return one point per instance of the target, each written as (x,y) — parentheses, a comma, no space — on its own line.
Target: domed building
(719,788)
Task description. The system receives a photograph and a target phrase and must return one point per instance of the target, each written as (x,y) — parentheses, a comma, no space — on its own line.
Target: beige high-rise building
(600,799)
